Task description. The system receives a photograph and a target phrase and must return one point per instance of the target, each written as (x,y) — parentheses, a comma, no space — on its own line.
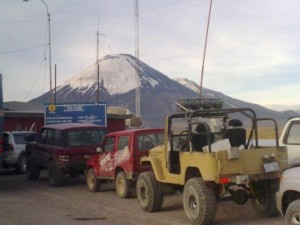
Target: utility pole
(1,117)
(49,44)
(137,56)
(204,53)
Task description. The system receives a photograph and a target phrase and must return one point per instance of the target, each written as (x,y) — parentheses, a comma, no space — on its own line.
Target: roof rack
(186,105)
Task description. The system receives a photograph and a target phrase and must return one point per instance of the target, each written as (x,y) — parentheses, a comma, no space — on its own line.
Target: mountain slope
(158,93)
(261,111)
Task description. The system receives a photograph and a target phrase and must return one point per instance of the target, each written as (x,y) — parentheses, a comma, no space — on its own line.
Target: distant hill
(158,93)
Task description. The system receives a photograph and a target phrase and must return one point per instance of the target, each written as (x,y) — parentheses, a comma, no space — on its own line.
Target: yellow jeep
(210,157)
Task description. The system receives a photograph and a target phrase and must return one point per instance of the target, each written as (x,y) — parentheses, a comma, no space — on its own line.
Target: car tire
(265,203)
(55,176)
(292,215)
(32,170)
(199,202)
(148,192)
(122,185)
(92,182)
(21,164)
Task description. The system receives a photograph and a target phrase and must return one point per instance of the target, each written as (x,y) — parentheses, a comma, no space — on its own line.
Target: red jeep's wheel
(148,193)
(92,182)
(122,185)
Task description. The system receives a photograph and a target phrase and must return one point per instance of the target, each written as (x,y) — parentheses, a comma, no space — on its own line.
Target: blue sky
(253,50)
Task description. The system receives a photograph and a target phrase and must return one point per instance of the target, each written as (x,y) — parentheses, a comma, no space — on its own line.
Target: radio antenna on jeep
(207,28)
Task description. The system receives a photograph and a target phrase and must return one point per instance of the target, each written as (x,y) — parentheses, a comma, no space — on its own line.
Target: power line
(21,50)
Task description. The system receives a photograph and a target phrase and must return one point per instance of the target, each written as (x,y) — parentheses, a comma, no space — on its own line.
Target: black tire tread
(206,196)
(269,209)
(32,170)
(97,185)
(127,192)
(155,197)
(55,176)
(19,167)
(294,207)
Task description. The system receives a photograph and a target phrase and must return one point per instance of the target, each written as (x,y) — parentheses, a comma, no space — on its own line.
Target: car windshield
(85,137)
(148,141)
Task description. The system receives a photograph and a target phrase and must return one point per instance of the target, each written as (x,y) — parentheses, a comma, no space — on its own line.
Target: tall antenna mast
(137,90)
(204,53)
(98,65)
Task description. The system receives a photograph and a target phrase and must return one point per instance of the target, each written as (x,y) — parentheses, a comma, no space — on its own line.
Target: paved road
(36,203)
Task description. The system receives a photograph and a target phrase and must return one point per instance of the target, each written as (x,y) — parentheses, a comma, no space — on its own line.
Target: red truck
(119,159)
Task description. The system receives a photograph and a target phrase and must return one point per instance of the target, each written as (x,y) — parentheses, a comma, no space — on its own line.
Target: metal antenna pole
(137,91)
(204,53)
(98,67)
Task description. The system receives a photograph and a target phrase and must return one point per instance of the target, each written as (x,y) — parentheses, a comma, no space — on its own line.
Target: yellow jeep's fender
(156,165)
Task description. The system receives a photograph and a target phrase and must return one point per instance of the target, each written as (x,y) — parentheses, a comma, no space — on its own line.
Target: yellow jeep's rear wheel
(199,202)
(264,201)
(92,183)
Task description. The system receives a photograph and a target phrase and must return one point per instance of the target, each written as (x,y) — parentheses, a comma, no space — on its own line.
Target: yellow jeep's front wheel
(149,196)
(199,202)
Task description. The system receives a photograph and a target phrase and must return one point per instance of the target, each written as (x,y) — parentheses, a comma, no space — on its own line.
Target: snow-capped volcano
(119,76)
(188,83)
(114,72)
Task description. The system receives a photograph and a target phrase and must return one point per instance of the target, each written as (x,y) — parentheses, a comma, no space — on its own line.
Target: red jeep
(119,159)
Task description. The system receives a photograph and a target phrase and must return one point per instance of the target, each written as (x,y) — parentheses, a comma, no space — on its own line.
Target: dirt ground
(36,203)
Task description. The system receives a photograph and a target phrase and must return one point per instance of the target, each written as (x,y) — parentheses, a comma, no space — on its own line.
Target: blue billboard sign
(75,113)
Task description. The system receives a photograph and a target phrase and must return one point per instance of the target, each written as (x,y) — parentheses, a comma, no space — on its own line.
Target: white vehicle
(288,196)
(290,137)
(14,143)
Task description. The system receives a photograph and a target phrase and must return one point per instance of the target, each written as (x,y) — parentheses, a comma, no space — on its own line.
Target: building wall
(26,122)
(21,124)
(115,125)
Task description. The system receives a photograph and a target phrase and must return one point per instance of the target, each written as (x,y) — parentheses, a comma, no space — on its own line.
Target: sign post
(75,113)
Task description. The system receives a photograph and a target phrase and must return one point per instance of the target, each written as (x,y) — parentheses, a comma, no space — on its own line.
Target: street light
(49,38)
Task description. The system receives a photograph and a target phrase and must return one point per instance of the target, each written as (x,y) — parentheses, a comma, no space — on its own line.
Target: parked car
(288,196)
(14,143)
(1,149)
(119,159)
(63,149)
(290,137)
